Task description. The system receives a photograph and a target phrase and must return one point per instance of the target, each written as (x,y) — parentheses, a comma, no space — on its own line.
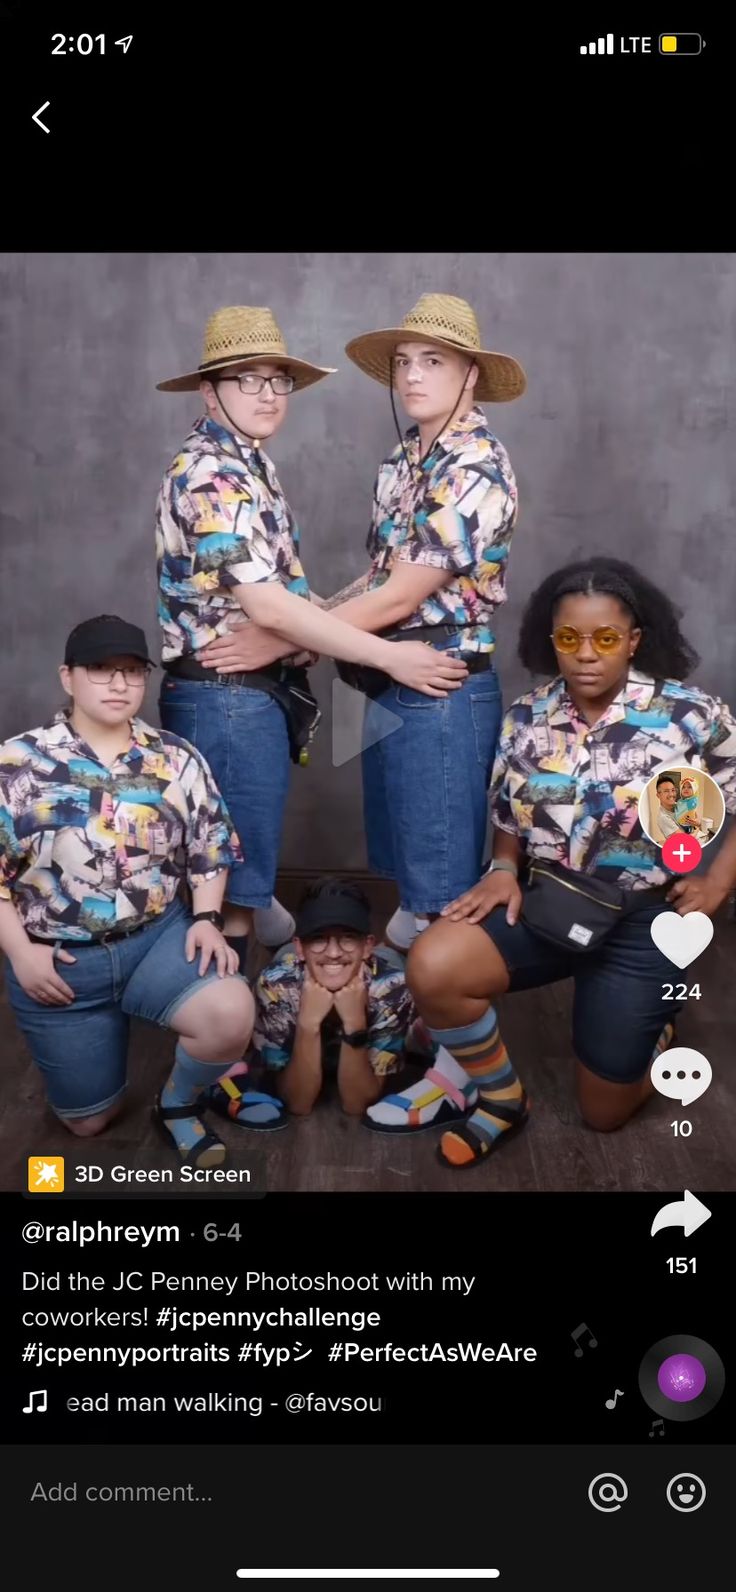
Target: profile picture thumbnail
(681,801)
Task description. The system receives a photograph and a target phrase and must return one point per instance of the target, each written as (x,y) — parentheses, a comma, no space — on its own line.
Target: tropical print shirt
(86,848)
(456,511)
(221,521)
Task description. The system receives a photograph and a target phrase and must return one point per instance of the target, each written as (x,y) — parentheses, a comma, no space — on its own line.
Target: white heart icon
(682,939)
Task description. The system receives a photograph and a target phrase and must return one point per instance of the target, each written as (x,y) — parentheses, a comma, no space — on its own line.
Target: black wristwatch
(210,917)
(358,1040)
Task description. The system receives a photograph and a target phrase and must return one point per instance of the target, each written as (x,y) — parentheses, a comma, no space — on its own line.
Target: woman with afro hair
(573,758)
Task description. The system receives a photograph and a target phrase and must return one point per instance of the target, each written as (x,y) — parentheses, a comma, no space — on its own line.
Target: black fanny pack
(575,910)
(300,708)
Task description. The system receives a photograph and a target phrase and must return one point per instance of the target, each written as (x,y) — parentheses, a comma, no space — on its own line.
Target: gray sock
(273,925)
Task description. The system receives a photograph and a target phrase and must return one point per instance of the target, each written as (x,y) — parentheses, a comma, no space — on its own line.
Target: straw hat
(440,318)
(240,335)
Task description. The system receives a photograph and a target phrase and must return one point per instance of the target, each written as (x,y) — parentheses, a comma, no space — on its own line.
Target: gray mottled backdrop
(624,442)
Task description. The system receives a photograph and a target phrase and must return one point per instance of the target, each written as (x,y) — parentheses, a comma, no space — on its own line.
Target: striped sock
(502,1103)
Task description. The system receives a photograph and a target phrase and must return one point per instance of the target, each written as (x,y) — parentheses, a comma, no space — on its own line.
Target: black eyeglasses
(251,385)
(346,942)
(104,674)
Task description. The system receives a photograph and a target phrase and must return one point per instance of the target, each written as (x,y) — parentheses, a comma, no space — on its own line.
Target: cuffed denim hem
(80,1112)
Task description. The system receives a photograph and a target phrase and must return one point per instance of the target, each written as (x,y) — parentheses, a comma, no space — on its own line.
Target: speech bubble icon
(681,939)
(682,1074)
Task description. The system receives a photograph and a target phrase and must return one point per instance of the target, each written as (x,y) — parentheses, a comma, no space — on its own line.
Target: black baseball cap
(332,910)
(107,636)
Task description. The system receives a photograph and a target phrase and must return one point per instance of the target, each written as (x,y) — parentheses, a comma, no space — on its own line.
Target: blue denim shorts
(242,734)
(425,788)
(618,1013)
(82,1049)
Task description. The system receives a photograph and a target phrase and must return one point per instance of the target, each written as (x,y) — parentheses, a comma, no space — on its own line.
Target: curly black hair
(663,651)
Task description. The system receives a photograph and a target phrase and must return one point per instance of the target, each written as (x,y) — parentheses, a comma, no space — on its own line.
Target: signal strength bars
(603,47)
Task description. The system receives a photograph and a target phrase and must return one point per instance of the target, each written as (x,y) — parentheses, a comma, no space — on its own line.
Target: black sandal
(208,1151)
(517,1119)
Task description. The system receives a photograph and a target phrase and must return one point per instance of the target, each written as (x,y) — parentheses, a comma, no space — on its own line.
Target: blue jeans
(618,1013)
(82,1049)
(242,734)
(425,788)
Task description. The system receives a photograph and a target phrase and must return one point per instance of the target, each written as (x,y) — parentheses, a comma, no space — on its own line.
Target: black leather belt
(119,933)
(187,668)
(475,662)
(373,682)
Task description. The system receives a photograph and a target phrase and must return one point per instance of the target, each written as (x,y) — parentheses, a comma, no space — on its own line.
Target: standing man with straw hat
(228,551)
(444,511)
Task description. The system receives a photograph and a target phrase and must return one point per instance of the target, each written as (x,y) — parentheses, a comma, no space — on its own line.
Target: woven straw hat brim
(500,377)
(305,375)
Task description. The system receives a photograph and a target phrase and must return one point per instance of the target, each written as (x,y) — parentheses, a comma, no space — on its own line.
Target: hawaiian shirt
(278,991)
(455,511)
(221,521)
(570,791)
(85,848)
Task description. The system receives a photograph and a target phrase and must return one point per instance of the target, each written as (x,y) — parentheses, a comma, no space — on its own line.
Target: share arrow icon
(689,1213)
(126,42)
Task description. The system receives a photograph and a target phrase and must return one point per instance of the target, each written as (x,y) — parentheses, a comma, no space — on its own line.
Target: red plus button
(681,853)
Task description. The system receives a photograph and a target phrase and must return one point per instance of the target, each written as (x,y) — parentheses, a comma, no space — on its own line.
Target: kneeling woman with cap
(96,808)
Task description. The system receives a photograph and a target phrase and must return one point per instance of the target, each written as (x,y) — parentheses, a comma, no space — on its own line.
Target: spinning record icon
(681,1378)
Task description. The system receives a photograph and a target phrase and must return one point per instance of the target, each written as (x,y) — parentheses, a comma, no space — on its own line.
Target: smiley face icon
(686,1493)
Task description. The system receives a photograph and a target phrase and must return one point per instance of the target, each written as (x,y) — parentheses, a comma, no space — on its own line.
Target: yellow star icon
(45,1174)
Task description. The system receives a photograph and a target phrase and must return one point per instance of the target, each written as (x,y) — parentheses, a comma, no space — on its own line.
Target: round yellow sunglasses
(606,639)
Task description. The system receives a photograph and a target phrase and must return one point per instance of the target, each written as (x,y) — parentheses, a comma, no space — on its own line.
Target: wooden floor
(330,1152)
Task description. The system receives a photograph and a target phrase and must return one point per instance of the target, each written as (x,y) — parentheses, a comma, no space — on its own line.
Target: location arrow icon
(688,1213)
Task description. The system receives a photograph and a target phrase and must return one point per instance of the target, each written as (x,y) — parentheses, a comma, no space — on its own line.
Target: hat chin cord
(444,426)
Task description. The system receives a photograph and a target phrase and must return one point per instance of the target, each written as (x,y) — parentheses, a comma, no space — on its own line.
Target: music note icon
(611,1403)
(40,1408)
(654,1426)
(593,1343)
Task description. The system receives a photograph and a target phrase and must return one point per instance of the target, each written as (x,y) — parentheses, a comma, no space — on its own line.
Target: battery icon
(680,44)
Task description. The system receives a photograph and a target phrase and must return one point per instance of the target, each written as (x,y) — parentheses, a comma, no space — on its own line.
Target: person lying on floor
(334,1001)
(573,758)
(97,809)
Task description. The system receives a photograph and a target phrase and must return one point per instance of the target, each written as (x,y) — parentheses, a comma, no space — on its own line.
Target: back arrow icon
(37,114)
(688,1213)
